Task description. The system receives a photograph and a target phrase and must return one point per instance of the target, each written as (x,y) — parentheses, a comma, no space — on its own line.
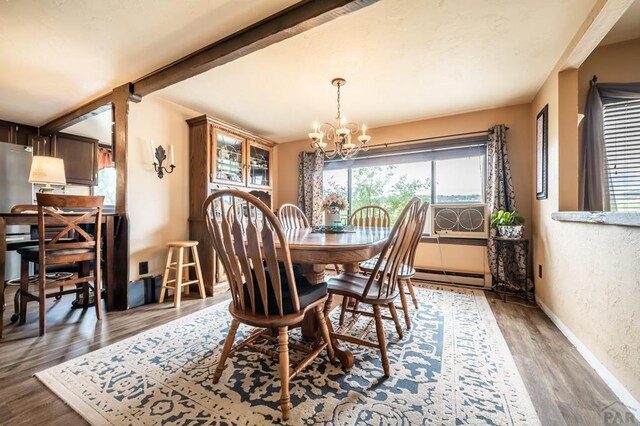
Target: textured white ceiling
(403,60)
(627,28)
(57,54)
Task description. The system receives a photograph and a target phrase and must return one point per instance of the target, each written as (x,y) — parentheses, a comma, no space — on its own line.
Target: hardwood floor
(564,389)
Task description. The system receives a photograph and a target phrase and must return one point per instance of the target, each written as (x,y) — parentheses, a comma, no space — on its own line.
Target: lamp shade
(47,170)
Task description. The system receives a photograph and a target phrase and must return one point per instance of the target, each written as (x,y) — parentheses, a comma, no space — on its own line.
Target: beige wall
(614,63)
(591,274)
(158,208)
(431,256)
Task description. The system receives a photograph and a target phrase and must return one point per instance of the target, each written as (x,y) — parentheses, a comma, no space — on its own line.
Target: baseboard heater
(448,277)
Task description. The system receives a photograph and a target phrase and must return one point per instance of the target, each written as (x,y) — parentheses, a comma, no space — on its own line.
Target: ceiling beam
(287,23)
(79,114)
(601,19)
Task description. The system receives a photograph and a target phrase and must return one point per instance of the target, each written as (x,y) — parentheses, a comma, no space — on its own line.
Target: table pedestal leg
(310,327)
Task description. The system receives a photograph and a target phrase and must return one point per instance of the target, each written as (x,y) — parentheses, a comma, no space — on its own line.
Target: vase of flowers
(333,205)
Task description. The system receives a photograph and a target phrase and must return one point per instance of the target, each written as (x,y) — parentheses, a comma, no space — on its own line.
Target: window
(449,172)
(106,185)
(622,150)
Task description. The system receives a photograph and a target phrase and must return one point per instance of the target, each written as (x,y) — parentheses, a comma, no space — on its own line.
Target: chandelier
(340,135)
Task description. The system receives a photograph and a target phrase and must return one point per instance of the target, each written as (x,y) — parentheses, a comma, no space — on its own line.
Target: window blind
(426,151)
(622,152)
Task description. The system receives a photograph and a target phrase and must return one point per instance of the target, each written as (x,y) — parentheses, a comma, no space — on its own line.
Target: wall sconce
(160,155)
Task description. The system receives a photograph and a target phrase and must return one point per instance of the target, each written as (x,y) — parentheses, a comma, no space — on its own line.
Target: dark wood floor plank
(564,389)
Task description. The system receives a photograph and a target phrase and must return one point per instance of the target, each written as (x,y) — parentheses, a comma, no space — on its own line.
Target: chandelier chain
(338,117)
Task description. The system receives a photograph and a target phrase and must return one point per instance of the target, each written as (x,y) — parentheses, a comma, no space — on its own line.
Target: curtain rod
(478,132)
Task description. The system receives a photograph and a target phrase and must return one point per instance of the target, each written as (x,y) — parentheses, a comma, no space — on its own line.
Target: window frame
(449,146)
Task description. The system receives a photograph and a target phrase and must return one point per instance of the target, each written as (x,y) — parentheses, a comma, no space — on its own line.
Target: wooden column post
(120,110)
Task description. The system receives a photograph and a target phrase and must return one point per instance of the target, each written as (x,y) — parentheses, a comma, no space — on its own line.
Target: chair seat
(405,271)
(32,253)
(307,293)
(353,285)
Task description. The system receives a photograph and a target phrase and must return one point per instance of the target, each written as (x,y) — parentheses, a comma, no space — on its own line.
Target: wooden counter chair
(379,289)
(265,292)
(291,217)
(84,250)
(26,208)
(407,270)
(372,216)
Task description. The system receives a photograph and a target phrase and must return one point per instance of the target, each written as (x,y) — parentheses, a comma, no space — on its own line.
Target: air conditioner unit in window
(460,220)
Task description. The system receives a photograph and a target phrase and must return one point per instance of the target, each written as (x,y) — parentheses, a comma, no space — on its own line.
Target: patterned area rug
(452,368)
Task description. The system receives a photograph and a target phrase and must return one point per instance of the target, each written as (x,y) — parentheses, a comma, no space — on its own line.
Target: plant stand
(518,281)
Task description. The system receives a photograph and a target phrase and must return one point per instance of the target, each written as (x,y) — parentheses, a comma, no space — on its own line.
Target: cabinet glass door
(229,155)
(259,165)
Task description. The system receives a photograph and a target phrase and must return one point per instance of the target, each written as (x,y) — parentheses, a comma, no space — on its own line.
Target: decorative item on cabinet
(222,155)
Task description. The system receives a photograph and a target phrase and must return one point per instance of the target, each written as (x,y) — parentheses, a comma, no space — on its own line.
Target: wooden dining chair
(265,292)
(379,289)
(373,216)
(291,217)
(407,269)
(83,250)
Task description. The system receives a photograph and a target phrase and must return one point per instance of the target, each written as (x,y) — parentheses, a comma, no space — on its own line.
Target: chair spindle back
(421,220)
(246,243)
(291,217)
(373,216)
(394,252)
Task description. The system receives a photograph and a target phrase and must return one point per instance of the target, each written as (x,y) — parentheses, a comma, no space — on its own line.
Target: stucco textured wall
(591,273)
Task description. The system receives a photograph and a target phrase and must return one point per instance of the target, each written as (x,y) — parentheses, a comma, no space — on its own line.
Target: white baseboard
(614,384)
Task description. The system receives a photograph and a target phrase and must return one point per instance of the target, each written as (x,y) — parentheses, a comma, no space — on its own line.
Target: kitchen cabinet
(6,131)
(80,155)
(26,136)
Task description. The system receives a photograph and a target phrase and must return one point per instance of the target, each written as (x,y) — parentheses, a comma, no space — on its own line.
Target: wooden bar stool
(181,269)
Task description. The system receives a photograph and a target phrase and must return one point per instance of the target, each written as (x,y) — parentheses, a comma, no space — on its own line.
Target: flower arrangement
(334,203)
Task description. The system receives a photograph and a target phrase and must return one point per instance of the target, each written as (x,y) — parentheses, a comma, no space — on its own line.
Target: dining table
(109,223)
(348,247)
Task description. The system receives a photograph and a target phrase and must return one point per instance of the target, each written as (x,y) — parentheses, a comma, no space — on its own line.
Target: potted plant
(509,224)
(333,205)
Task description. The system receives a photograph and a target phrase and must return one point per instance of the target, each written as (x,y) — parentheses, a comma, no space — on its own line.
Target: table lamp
(47,171)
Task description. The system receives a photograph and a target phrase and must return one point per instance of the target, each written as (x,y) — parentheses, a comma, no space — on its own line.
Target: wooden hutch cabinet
(221,156)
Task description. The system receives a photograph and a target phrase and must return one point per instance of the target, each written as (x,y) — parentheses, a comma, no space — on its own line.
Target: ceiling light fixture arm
(340,135)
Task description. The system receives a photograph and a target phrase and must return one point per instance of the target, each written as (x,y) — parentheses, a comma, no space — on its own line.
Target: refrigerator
(15,164)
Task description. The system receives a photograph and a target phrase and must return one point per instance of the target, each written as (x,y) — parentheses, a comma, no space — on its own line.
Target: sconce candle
(161,155)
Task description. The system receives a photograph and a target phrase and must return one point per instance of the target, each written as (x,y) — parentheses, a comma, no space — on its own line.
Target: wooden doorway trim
(88,110)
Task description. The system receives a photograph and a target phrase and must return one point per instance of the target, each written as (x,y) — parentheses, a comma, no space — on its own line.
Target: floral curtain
(500,196)
(105,158)
(310,186)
